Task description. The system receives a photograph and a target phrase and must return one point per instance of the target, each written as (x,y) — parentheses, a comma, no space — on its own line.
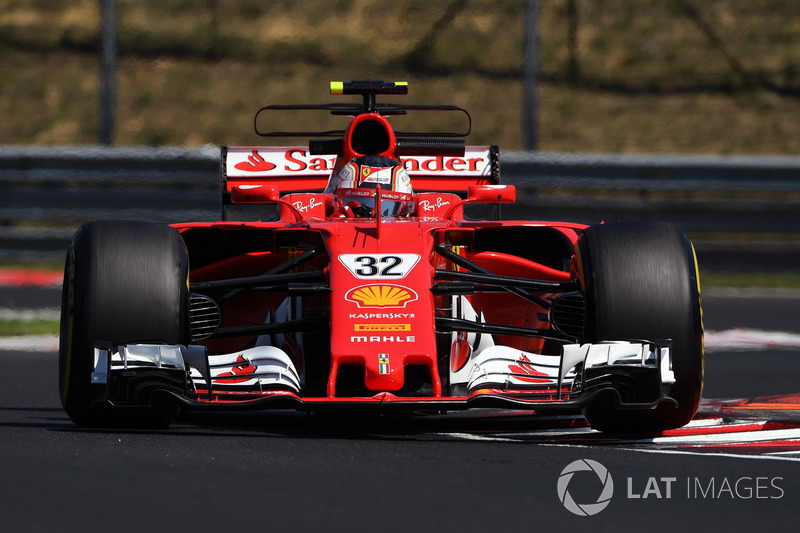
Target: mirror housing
(255,194)
(262,194)
(485,194)
(492,194)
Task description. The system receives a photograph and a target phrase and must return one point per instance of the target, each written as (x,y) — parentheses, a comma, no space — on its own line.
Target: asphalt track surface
(735,470)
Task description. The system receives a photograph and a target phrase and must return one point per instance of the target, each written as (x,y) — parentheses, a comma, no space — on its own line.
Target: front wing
(633,374)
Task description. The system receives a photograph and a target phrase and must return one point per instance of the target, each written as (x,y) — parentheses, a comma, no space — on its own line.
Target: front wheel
(641,282)
(123,282)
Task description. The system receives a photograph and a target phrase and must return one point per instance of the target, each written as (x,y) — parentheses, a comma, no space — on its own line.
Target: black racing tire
(123,281)
(641,281)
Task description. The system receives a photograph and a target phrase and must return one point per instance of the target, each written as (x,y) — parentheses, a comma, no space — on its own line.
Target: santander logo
(293,160)
(255,163)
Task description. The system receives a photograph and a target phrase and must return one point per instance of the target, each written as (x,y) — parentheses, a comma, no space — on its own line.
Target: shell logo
(380,296)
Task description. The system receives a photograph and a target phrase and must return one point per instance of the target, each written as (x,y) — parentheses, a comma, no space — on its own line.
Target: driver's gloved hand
(360,210)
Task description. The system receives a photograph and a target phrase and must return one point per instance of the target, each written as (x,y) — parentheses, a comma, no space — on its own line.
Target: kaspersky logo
(383,295)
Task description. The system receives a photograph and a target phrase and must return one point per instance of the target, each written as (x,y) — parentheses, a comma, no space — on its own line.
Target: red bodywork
(375,304)
(373,269)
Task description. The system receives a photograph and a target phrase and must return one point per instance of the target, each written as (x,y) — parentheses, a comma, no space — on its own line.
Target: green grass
(750,280)
(647,76)
(33,264)
(19,327)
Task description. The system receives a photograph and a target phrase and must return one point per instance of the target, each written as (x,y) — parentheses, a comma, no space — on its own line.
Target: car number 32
(379,266)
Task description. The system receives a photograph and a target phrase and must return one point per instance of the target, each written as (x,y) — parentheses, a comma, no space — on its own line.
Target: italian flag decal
(383,363)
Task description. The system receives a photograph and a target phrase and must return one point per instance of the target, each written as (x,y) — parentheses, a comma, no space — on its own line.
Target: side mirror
(255,194)
(260,194)
(485,194)
(492,194)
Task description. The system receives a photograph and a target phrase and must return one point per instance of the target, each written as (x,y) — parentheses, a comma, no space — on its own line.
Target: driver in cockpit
(357,185)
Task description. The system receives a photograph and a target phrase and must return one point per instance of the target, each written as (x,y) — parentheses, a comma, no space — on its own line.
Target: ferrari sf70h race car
(367,288)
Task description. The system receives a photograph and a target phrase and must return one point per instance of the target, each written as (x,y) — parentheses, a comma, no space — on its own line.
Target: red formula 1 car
(369,288)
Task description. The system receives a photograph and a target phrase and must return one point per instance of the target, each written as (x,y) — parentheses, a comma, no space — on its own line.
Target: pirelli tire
(123,281)
(641,281)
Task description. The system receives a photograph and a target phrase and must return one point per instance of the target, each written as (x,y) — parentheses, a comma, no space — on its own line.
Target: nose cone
(382,311)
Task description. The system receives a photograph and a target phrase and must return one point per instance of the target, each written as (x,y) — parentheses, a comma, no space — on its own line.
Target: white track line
(734,437)
(30,343)
(741,339)
(684,452)
(46,313)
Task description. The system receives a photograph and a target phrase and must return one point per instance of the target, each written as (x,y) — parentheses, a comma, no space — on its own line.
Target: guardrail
(47,192)
(743,213)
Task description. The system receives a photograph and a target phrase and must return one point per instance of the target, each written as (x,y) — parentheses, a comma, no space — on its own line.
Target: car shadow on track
(397,427)
(34,417)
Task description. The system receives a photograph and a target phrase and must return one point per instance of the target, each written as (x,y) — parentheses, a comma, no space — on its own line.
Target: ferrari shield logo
(383,363)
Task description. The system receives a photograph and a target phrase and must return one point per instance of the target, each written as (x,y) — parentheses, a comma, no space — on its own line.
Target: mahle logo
(591,508)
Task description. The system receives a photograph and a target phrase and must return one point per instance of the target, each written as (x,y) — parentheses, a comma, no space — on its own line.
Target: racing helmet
(356,186)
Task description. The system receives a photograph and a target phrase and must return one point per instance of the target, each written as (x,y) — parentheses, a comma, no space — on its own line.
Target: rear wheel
(123,281)
(641,282)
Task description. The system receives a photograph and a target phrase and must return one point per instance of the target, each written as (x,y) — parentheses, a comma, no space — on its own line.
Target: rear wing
(294,169)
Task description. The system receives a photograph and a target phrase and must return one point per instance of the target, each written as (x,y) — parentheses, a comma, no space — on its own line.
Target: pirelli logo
(383,327)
